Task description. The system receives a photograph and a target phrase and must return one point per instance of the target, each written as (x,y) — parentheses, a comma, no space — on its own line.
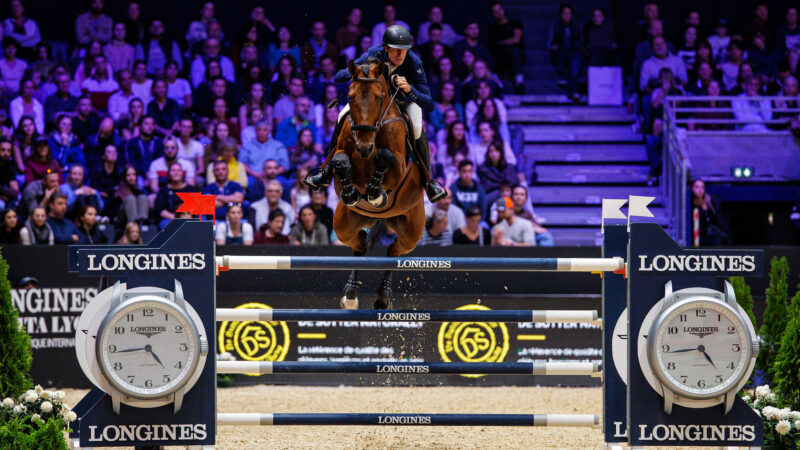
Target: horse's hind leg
(408,231)
(349,228)
(376,196)
(384,300)
(341,168)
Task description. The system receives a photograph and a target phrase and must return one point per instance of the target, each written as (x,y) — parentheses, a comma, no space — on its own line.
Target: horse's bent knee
(383,159)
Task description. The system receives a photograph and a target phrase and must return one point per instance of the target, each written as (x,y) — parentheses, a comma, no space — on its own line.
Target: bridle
(354,128)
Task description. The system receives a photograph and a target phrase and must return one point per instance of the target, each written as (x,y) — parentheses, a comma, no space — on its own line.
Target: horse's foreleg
(350,298)
(341,169)
(376,196)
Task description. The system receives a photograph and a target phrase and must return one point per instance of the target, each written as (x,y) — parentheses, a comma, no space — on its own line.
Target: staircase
(581,154)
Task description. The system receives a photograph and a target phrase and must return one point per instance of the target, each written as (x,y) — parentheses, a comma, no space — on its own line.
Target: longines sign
(697,263)
(111,262)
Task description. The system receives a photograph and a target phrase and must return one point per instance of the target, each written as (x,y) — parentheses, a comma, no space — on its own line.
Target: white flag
(637,206)
(611,208)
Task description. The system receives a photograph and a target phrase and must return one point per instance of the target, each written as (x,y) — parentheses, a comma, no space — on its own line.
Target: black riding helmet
(396,36)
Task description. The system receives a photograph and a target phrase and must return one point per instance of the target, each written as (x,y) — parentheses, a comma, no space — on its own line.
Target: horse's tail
(374,232)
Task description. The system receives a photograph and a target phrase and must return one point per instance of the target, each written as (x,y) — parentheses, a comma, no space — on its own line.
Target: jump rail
(399,367)
(399,315)
(244,262)
(507,420)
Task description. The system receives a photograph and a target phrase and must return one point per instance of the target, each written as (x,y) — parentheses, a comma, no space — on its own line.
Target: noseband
(354,128)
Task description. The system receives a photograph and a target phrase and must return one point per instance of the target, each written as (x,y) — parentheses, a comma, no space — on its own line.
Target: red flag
(196,204)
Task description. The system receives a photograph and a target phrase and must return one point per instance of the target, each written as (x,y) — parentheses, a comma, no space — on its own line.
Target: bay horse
(377,181)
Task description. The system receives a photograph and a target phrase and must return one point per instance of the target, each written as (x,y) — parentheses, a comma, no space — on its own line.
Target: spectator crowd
(96,145)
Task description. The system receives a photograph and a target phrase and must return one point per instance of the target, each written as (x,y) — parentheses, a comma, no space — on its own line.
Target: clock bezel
(134,303)
(663,320)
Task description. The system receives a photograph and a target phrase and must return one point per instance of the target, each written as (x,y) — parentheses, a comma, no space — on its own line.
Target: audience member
(507,45)
(308,230)
(134,201)
(261,209)
(61,101)
(720,41)
(466,191)
(511,231)
(225,190)
(10,228)
(167,200)
(131,235)
(26,105)
(495,171)
(9,185)
(105,180)
(317,47)
(85,121)
(435,16)
(600,40)
(64,231)
(524,209)
(232,230)
(272,231)
(118,52)
(752,113)
(437,231)
(289,128)
(158,173)
(165,111)
(37,230)
(472,233)
(319,200)
(88,230)
(141,150)
(12,69)
(713,227)
(41,162)
(79,194)
(661,58)
(347,36)
(156,50)
(565,43)
(455,215)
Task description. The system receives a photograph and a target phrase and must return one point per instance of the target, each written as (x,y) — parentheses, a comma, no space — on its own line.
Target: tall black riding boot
(433,189)
(322,178)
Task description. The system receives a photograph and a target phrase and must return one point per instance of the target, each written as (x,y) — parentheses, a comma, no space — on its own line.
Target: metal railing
(711,115)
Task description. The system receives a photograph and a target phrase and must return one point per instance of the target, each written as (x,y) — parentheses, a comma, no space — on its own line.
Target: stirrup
(434,190)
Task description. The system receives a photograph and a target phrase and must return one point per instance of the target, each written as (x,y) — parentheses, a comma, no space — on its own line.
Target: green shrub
(16,356)
(743,296)
(786,373)
(775,315)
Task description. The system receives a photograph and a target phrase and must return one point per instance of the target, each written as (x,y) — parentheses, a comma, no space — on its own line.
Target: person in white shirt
(119,101)
(211,49)
(100,85)
(271,201)
(477,151)
(753,111)
(27,105)
(189,149)
(232,230)
(449,36)
(22,28)
(118,52)
(141,86)
(159,168)
(178,89)
(12,69)
(389,19)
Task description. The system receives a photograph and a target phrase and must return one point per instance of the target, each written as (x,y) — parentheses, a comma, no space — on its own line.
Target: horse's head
(368,97)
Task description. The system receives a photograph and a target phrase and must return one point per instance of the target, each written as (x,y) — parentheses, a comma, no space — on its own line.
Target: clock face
(147,349)
(701,348)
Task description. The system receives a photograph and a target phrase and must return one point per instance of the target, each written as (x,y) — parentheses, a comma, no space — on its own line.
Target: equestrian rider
(414,95)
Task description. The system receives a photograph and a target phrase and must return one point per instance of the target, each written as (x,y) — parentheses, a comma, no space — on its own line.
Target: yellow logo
(473,341)
(255,341)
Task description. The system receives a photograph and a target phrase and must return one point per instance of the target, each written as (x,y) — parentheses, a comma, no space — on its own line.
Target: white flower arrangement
(46,407)
(30,396)
(783,427)
(771,412)
(8,403)
(19,409)
(762,391)
(36,418)
(746,398)
(795,415)
(38,389)
(71,416)
(46,394)
(785,413)
(60,395)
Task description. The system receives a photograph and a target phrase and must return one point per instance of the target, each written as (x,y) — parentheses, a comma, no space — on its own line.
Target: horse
(378,183)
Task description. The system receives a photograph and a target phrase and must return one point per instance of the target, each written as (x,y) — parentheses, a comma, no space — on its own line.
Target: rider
(413,96)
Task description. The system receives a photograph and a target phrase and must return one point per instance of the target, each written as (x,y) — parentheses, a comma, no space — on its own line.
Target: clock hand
(150,350)
(709,359)
(130,350)
(683,350)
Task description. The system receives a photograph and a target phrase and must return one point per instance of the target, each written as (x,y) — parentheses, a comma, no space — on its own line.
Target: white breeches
(414,113)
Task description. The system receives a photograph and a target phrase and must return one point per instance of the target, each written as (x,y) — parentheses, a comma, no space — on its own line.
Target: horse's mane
(368,64)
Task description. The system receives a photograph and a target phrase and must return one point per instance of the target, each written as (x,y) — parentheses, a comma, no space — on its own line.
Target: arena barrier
(634,275)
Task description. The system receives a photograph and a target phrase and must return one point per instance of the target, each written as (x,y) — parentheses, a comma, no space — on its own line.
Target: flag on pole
(637,207)
(196,204)
(611,210)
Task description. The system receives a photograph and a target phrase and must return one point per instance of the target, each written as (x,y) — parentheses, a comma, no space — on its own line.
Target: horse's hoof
(349,303)
(378,201)
(350,196)
(382,304)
